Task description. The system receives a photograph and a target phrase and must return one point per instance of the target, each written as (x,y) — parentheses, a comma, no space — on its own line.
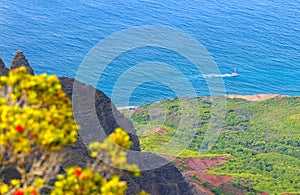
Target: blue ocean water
(261,39)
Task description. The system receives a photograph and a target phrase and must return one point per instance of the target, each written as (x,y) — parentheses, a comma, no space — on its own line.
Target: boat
(234,74)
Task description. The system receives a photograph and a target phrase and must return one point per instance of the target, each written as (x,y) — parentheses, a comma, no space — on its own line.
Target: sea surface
(261,39)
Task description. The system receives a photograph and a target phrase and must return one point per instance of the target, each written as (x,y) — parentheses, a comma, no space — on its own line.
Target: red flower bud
(78,171)
(19,192)
(20,129)
(34,192)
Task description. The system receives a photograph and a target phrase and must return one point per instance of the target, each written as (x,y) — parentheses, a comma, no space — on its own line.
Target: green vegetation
(262,139)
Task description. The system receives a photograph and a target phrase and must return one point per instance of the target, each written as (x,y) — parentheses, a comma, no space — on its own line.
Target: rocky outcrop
(20,60)
(3,69)
(161,180)
(95,113)
(164,180)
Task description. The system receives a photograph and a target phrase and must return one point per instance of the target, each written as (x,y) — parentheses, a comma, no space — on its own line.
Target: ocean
(261,39)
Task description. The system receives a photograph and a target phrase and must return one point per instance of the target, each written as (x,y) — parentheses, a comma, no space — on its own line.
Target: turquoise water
(259,38)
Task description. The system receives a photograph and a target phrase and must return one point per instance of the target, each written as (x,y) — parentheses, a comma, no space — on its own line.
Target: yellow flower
(15,182)
(4,188)
(38,182)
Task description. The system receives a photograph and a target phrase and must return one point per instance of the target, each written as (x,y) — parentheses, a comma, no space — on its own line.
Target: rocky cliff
(20,60)
(165,179)
(3,69)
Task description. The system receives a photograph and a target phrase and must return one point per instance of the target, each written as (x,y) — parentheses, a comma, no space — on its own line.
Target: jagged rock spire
(20,60)
(3,69)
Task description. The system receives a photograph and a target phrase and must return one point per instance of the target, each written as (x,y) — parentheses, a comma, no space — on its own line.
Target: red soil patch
(204,163)
(195,167)
(198,164)
(213,179)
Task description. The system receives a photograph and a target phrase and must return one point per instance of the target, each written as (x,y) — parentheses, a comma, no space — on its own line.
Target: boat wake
(216,75)
(233,74)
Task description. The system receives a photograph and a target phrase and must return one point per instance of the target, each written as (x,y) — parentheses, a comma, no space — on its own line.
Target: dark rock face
(95,113)
(20,60)
(76,155)
(3,69)
(163,180)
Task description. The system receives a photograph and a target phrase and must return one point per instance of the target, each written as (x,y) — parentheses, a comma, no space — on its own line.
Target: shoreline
(127,107)
(254,97)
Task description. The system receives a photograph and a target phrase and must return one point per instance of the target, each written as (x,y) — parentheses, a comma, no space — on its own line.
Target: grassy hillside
(260,139)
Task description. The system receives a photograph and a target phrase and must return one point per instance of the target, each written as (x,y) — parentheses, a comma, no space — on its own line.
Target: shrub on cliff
(36,122)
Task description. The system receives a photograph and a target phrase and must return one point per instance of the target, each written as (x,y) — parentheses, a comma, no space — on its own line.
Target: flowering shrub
(86,182)
(36,122)
(110,157)
(112,152)
(35,113)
